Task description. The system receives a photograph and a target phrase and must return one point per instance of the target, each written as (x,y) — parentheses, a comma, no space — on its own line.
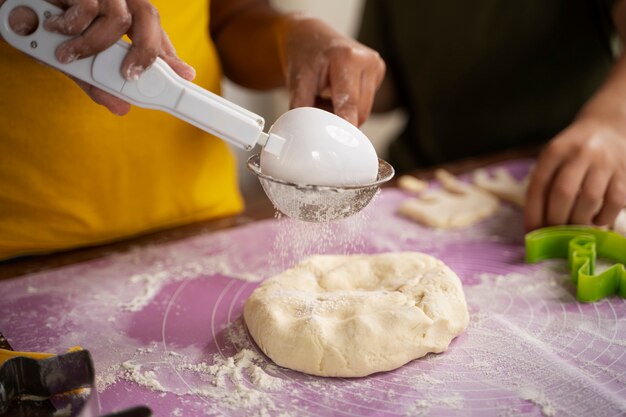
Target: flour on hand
(351,316)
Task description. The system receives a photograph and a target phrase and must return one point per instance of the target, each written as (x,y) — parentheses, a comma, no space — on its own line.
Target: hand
(96,25)
(320,63)
(580,178)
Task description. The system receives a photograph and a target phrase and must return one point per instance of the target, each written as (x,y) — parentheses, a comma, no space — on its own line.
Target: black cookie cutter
(32,387)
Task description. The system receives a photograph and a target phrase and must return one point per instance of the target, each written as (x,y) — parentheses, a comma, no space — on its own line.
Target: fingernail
(119,112)
(66,55)
(183,69)
(349,116)
(192,72)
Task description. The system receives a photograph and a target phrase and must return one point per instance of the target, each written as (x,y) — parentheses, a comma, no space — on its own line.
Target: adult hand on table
(580,178)
(321,64)
(96,25)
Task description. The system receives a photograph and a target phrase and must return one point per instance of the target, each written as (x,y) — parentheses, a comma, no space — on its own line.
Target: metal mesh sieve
(315,203)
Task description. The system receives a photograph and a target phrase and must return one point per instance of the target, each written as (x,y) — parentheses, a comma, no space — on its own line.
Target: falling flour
(296,240)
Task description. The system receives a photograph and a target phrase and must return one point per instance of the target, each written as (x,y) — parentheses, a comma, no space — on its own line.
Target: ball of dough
(351,316)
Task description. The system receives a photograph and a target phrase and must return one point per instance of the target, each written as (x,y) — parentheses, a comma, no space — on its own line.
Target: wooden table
(257,210)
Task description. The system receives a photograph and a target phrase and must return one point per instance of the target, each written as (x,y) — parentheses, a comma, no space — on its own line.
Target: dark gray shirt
(484,75)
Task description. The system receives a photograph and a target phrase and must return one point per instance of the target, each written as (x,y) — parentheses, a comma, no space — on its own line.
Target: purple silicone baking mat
(164,325)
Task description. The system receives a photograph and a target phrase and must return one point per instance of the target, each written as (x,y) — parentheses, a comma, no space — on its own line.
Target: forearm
(609,102)
(248,35)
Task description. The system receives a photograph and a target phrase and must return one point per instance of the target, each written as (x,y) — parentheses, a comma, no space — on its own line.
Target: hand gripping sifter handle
(159,87)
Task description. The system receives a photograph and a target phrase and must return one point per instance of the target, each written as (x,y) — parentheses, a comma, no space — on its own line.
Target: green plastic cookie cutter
(581,245)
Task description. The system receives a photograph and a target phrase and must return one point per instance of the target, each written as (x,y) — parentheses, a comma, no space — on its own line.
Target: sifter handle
(159,87)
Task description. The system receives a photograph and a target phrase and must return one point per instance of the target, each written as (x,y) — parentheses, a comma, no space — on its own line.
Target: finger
(115,105)
(345,93)
(75,19)
(564,190)
(370,82)
(590,197)
(540,179)
(303,87)
(112,23)
(146,39)
(366,97)
(614,202)
(168,54)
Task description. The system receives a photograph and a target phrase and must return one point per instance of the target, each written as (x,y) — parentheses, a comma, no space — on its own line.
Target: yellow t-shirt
(73,174)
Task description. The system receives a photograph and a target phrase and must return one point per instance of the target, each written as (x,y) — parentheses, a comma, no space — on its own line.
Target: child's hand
(580,177)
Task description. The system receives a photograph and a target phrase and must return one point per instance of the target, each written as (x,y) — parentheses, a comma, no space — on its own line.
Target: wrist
(604,115)
(609,102)
(286,28)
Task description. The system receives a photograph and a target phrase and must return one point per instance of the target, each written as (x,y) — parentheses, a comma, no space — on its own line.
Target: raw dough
(502,184)
(411,184)
(351,316)
(455,205)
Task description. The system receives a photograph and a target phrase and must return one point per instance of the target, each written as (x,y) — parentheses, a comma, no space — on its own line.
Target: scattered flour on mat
(528,340)
(538,398)
(148,379)
(529,337)
(423,407)
(241,373)
(150,285)
(241,381)
(511,346)
(237,382)
(146,285)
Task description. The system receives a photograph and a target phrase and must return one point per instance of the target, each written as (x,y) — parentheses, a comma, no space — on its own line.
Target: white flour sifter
(313,166)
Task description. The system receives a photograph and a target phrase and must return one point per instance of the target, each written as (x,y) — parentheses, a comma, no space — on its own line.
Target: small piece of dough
(411,184)
(502,184)
(351,316)
(450,182)
(455,205)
